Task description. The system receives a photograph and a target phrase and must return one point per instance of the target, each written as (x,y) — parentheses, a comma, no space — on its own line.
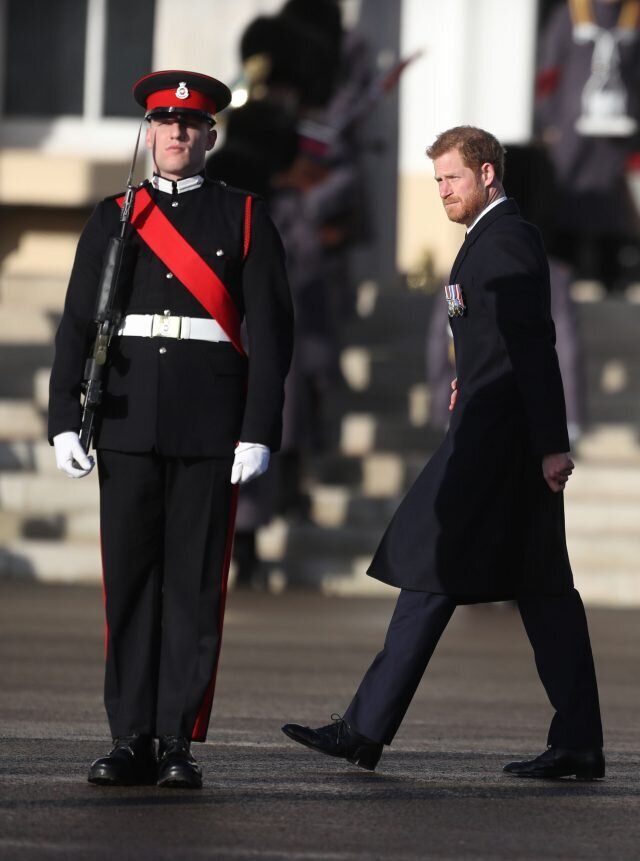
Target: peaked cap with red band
(176,91)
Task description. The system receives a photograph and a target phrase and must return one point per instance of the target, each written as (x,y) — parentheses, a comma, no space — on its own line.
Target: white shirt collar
(484,212)
(180,186)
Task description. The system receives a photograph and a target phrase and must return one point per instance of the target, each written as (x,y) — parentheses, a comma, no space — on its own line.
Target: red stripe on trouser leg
(104,600)
(202,721)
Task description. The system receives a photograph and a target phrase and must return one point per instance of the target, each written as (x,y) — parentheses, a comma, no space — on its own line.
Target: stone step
(301,543)
(593,518)
(334,507)
(396,302)
(597,475)
(611,584)
(25,325)
(617,410)
(386,372)
(20,420)
(603,551)
(21,364)
(366,432)
(610,588)
(58,526)
(83,525)
(331,508)
(610,444)
(30,455)
(297,542)
(43,292)
(52,561)
(373,474)
(31,494)
(615,315)
(601,484)
(10,526)
(609,578)
(380,473)
(41,388)
(46,249)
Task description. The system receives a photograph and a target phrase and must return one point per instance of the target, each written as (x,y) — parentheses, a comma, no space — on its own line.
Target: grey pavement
(438,793)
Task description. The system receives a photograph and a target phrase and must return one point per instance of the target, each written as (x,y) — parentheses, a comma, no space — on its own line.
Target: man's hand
(70,456)
(454,394)
(250,461)
(556,469)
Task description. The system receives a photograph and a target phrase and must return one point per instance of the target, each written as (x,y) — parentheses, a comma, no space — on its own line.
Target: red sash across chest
(155,229)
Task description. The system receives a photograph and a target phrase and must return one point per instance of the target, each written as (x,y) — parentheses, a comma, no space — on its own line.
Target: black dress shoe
(176,766)
(131,761)
(587,764)
(337,739)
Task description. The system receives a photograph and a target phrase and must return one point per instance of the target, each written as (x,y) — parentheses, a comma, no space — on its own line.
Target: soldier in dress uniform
(484,520)
(186,416)
(588,115)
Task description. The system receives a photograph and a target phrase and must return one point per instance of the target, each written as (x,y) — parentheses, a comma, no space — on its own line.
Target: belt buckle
(165,326)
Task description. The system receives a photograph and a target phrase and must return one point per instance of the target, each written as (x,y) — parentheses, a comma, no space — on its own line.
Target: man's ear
(488,174)
(148,137)
(211,139)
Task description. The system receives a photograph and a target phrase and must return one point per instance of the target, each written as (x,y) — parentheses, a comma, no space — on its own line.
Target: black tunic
(480,522)
(196,398)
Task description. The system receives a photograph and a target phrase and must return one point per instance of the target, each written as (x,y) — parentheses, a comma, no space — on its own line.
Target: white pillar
(204,35)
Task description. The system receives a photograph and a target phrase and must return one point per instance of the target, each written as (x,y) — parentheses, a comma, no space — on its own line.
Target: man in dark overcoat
(186,416)
(484,520)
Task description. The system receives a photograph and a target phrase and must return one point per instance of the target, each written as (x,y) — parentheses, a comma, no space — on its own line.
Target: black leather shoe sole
(366,756)
(548,775)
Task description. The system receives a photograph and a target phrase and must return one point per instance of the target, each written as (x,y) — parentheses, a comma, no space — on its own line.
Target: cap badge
(182,92)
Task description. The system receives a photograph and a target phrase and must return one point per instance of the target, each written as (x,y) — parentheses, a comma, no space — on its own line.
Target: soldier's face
(464,193)
(179,145)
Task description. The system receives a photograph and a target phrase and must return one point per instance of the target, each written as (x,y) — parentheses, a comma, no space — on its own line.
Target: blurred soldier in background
(261,143)
(301,66)
(588,110)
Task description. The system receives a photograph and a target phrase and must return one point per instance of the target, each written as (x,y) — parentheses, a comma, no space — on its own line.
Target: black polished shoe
(177,767)
(587,764)
(132,761)
(337,739)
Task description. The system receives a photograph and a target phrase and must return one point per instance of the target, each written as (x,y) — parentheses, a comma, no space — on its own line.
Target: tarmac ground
(439,791)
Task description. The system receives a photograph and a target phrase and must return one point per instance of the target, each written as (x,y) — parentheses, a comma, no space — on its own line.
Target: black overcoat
(181,398)
(480,522)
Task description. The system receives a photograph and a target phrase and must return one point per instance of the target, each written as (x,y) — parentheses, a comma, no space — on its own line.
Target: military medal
(455,300)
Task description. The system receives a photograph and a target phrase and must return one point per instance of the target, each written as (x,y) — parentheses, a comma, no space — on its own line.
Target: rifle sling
(186,264)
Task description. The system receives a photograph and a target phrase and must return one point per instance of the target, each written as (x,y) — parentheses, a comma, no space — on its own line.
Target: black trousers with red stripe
(166,532)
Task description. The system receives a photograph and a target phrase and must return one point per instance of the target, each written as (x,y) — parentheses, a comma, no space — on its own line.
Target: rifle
(107,315)
(325,135)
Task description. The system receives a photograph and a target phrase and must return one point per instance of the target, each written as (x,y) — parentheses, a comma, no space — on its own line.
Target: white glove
(250,461)
(68,449)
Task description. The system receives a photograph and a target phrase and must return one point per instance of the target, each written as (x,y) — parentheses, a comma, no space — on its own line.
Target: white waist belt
(166,326)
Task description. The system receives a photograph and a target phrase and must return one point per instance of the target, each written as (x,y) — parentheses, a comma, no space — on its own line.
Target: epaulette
(243,192)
